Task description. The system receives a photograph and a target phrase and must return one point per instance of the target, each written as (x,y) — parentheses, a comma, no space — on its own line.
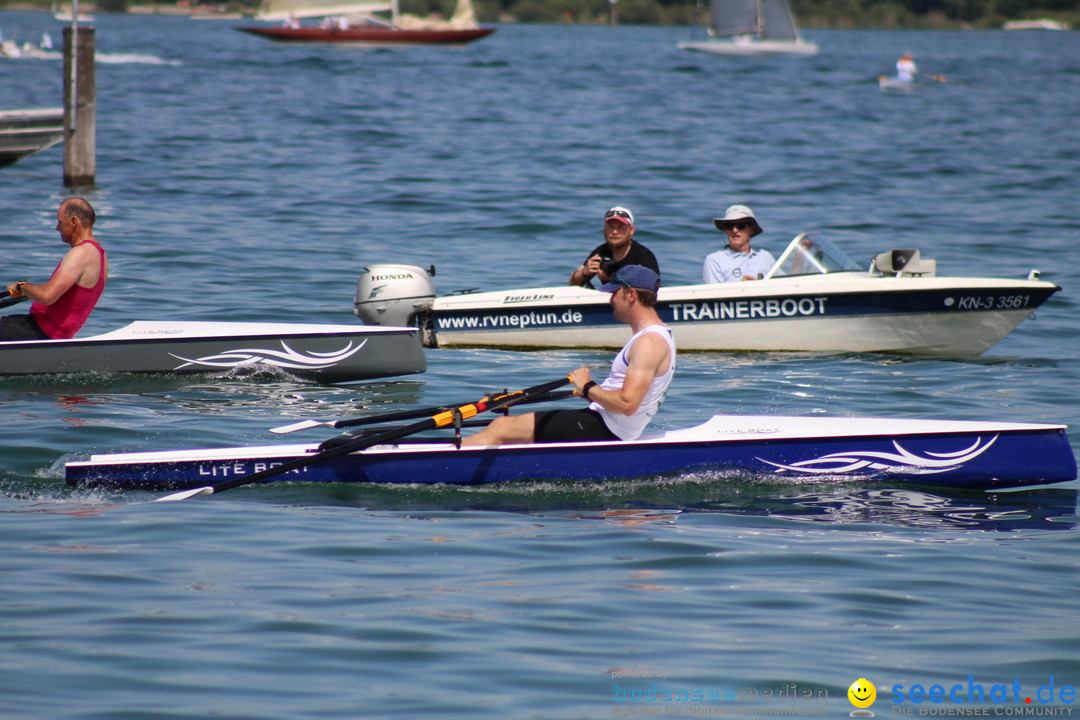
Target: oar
(9,301)
(439,420)
(395,416)
(943,79)
(356,434)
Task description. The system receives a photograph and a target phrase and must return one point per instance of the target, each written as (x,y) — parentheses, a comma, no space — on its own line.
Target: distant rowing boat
(887,83)
(324,353)
(954,454)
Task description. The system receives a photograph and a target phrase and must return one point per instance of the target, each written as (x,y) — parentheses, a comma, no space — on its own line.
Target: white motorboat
(815,298)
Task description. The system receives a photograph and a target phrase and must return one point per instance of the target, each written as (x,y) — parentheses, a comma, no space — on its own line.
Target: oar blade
(297,426)
(185,494)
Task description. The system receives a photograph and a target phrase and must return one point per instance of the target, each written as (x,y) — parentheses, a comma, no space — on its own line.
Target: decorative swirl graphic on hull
(286,358)
(904,460)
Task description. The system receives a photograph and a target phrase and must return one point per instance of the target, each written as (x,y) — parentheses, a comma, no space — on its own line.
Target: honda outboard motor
(392,294)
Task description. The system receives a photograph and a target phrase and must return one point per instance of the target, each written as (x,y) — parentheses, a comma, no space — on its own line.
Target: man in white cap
(619,250)
(737,260)
(621,406)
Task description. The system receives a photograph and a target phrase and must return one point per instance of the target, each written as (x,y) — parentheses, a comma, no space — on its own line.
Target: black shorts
(571,426)
(21,327)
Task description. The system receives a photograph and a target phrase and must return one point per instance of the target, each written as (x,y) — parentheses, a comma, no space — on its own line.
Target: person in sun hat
(619,250)
(621,406)
(737,260)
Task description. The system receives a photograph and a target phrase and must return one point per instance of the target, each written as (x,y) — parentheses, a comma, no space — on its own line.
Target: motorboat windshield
(807,255)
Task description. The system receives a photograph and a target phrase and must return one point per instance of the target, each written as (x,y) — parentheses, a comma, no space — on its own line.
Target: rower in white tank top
(629,427)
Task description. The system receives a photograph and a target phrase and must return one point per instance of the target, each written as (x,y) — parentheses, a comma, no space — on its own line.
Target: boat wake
(133,59)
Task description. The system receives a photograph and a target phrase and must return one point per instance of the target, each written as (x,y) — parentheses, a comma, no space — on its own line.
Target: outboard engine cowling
(393,294)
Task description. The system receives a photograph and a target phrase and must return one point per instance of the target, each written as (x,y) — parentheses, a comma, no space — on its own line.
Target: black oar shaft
(329,454)
(9,301)
(442,419)
(428,411)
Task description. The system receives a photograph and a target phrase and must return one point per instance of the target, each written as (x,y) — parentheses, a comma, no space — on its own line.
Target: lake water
(241,180)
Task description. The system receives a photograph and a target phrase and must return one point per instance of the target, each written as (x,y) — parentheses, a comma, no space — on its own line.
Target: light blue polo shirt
(726,265)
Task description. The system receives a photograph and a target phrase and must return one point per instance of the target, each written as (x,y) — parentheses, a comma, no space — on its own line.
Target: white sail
(463,16)
(767,19)
(751,27)
(463,19)
(777,21)
(284,9)
(734,17)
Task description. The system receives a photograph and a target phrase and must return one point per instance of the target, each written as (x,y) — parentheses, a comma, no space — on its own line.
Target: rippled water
(242,180)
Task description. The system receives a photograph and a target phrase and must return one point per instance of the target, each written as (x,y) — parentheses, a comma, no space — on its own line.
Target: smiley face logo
(862,693)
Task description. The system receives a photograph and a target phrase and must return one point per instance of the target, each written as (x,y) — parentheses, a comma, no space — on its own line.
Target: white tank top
(629,427)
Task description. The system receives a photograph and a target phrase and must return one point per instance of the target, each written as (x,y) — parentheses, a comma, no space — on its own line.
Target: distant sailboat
(354,22)
(752,27)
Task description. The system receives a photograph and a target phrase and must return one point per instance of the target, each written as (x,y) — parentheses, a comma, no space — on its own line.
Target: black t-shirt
(638,255)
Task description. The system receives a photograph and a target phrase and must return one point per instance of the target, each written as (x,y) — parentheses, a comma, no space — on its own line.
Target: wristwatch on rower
(586,388)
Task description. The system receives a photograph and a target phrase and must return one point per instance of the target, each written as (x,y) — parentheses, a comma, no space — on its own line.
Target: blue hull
(981,458)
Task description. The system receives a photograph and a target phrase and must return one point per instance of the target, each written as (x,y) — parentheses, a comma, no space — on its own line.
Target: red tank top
(67,315)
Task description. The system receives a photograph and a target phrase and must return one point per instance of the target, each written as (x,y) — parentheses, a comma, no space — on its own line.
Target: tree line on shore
(844,14)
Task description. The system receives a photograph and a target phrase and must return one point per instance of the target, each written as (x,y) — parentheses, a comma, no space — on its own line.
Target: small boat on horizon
(351,22)
(751,28)
(1044,24)
(887,83)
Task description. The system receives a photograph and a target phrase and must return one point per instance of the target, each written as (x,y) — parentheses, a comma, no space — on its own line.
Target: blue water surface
(242,180)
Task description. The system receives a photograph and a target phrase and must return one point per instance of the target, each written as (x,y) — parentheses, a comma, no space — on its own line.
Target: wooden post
(80,107)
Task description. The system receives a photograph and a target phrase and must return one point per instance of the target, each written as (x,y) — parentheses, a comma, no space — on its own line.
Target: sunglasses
(617,213)
(740,225)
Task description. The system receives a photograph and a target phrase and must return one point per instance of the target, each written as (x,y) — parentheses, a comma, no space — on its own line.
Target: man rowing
(63,303)
(621,406)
